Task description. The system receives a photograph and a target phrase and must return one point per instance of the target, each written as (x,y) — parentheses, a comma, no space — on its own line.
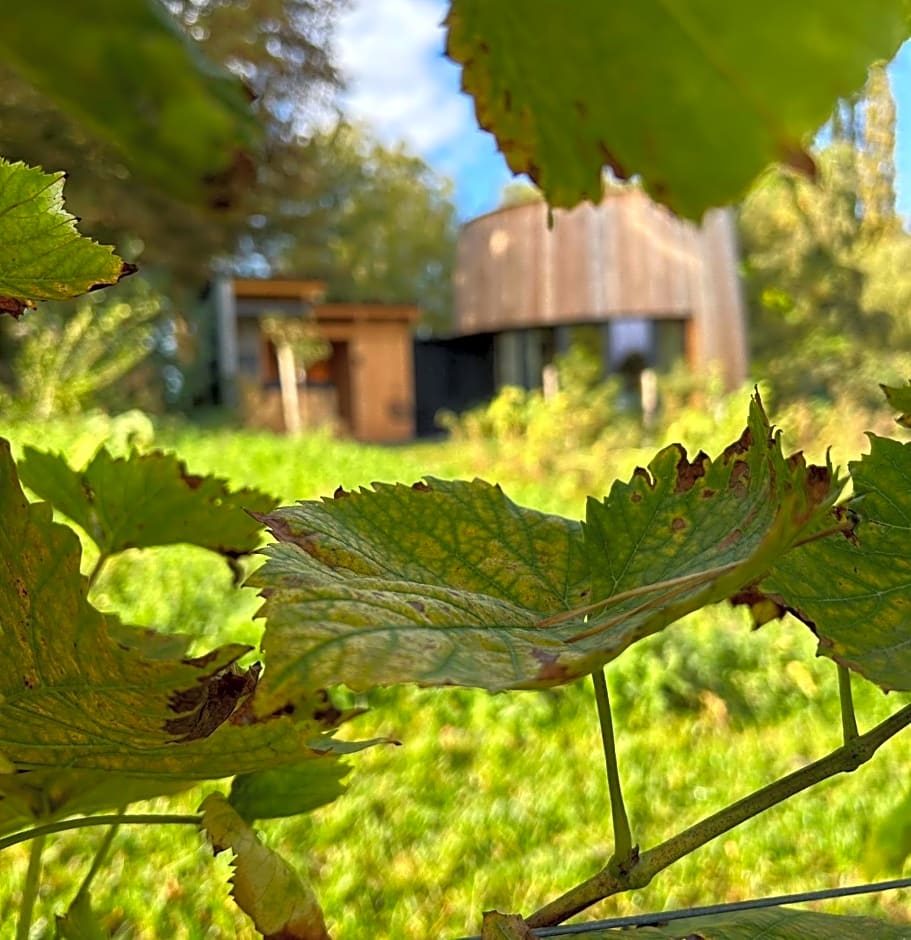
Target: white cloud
(401,84)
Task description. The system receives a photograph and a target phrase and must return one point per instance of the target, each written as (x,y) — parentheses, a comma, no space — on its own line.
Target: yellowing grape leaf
(694,98)
(74,694)
(450,583)
(855,592)
(145,500)
(281,904)
(126,71)
(770,923)
(42,255)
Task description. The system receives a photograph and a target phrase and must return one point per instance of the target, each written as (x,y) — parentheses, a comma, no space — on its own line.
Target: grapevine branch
(608,882)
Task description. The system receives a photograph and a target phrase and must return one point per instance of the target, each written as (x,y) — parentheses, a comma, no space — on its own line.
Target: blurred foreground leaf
(145,500)
(125,69)
(450,583)
(264,885)
(694,98)
(42,255)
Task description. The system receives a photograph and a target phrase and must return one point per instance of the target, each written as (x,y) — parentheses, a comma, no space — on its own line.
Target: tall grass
(493,801)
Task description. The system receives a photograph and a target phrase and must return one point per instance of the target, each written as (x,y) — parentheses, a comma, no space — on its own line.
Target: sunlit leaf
(74,695)
(855,593)
(124,69)
(271,794)
(451,583)
(770,923)
(42,255)
(145,500)
(281,904)
(694,98)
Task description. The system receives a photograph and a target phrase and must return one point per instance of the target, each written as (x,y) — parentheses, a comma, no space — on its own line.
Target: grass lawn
(494,801)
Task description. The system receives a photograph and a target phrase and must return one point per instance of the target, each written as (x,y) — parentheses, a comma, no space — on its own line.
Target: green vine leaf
(771,923)
(145,500)
(273,794)
(855,592)
(451,583)
(42,255)
(125,70)
(281,904)
(75,694)
(663,91)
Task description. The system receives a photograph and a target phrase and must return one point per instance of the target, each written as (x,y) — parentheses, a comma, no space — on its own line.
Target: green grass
(492,801)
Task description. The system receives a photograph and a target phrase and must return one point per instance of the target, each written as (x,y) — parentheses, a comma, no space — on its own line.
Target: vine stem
(100,856)
(30,889)
(848,718)
(87,822)
(608,882)
(624,853)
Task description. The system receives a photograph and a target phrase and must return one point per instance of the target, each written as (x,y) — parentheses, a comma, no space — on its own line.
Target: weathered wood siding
(626,257)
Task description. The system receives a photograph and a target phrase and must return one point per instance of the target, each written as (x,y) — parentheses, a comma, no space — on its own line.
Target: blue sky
(401,84)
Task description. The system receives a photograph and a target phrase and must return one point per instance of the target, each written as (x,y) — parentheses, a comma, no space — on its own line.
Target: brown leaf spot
(688,473)
(732,538)
(798,159)
(193,481)
(678,524)
(819,483)
(203,708)
(740,446)
(21,589)
(418,606)
(552,670)
(613,162)
(421,487)
(636,497)
(708,493)
(15,307)
(849,519)
(340,493)
(740,477)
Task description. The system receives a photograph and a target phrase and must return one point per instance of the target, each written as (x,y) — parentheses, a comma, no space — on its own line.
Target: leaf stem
(848,718)
(607,882)
(100,856)
(86,822)
(624,853)
(30,889)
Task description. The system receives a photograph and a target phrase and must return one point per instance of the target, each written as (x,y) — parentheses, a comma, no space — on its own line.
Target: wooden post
(287,379)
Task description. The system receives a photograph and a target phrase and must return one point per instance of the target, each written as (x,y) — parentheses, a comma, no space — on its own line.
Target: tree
(376,223)
(876,157)
(283,53)
(821,290)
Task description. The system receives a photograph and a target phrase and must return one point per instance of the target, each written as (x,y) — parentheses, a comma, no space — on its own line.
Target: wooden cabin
(363,384)
(653,289)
